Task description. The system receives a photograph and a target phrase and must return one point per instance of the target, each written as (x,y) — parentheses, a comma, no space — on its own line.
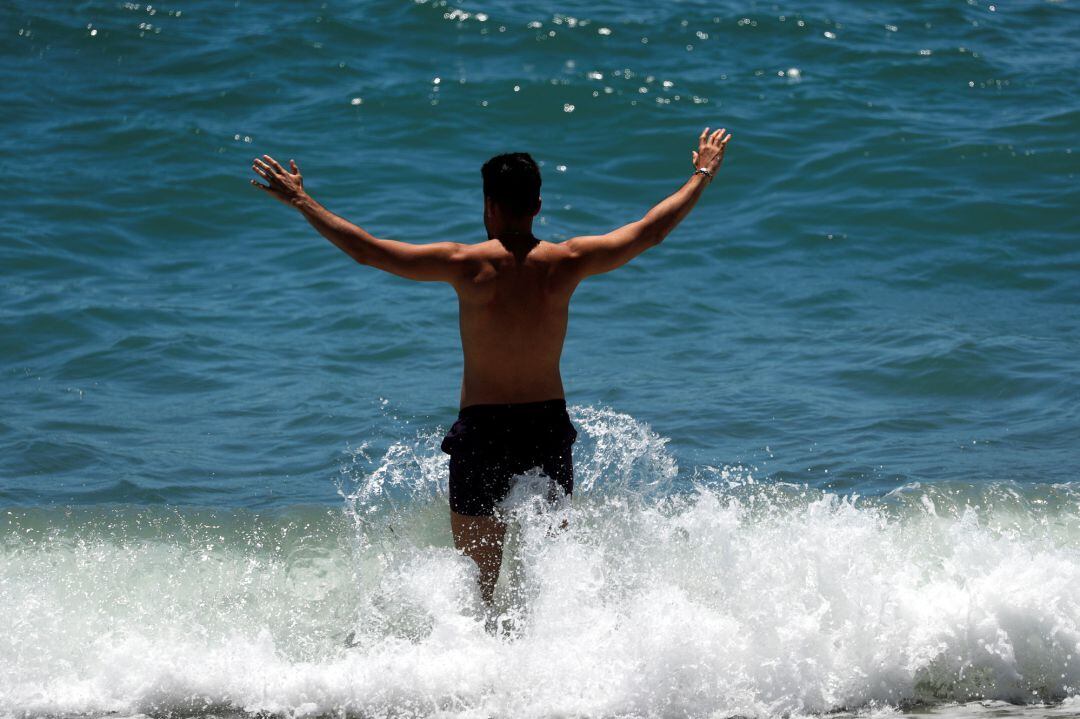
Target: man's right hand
(710,152)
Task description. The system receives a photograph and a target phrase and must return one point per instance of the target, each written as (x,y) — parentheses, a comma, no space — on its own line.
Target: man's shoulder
(478,248)
(553,246)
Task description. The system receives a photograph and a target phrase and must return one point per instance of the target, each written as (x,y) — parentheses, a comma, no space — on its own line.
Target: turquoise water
(829,428)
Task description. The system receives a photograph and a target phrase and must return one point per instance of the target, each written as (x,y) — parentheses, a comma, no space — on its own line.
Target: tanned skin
(513,297)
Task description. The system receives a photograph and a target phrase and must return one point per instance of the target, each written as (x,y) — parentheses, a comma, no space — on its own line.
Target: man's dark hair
(512,181)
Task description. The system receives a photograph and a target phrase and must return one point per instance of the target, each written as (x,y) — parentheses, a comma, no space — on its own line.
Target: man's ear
(539,203)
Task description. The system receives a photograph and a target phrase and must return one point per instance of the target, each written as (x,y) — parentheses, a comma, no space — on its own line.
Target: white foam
(738,598)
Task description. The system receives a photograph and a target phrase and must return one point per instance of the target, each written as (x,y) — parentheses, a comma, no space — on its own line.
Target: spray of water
(654,593)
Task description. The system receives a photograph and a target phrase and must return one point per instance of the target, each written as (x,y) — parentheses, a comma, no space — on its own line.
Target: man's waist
(496,410)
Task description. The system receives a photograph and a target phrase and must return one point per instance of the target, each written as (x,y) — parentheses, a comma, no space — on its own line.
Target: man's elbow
(651,231)
(655,236)
(359,256)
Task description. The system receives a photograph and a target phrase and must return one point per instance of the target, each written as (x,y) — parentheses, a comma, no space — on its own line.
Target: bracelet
(704,171)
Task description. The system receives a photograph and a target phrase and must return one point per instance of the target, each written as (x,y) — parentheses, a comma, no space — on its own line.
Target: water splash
(738,597)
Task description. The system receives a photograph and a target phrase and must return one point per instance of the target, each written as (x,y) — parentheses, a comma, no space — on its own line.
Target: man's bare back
(513,297)
(513,302)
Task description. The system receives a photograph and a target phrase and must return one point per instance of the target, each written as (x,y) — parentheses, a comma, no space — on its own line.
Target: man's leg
(481,539)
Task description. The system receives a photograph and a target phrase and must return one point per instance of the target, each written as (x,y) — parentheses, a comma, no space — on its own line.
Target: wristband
(704,171)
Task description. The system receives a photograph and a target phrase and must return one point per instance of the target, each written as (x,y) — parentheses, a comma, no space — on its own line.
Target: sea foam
(713,595)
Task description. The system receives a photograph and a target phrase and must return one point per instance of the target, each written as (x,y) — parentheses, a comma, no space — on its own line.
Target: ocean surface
(829,430)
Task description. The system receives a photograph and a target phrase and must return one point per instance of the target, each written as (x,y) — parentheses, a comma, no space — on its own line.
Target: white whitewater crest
(708,594)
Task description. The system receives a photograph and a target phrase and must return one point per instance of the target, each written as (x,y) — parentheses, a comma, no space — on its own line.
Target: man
(513,298)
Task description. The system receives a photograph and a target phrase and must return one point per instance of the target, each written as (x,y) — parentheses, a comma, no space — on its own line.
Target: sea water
(828,430)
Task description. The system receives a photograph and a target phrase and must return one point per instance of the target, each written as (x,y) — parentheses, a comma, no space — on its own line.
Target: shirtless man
(513,298)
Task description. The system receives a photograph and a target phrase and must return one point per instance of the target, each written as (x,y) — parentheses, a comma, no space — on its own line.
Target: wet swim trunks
(490,444)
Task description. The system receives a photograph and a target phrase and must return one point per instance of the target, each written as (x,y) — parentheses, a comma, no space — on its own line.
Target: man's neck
(517,240)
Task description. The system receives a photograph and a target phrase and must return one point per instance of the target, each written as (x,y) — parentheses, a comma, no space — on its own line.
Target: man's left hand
(284,185)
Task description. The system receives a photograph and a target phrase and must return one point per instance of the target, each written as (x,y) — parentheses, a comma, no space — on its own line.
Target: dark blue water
(878,298)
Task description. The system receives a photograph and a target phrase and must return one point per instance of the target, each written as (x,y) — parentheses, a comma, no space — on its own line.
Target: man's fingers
(704,134)
(275,164)
(261,186)
(267,172)
(295,169)
(725,140)
(715,137)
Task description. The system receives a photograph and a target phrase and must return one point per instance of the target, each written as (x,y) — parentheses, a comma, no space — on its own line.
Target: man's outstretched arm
(432,262)
(595,254)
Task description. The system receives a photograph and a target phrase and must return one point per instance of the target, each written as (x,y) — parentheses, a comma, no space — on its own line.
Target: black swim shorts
(490,444)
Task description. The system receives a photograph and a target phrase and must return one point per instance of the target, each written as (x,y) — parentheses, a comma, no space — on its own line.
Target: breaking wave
(670,592)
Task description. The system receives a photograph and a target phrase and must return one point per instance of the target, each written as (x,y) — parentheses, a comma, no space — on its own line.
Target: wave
(717,595)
